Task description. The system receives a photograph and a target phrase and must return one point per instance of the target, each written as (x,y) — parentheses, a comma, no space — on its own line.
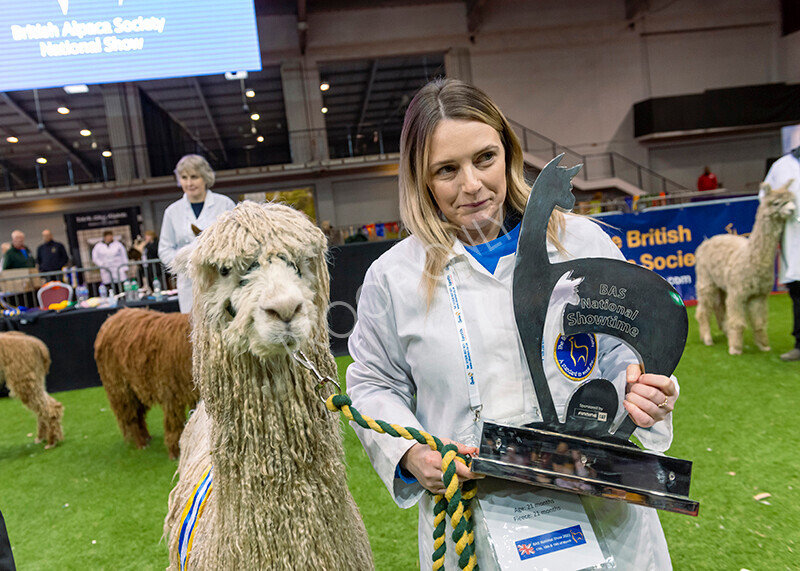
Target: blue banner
(52,43)
(664,239)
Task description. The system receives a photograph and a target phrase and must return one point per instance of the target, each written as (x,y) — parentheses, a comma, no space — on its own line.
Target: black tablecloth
(70,334)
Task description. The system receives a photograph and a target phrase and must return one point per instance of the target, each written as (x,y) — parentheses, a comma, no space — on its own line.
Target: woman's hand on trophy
(426,465)
(649,398)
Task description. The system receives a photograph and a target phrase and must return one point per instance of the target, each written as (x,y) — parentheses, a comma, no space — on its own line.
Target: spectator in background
(785,169)
(197,209)
(109,255)
(18,255)
(4,247)
(52,255)
(707,180)
(150,252)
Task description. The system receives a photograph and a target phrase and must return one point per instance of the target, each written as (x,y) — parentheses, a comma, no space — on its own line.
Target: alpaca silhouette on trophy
(610,297)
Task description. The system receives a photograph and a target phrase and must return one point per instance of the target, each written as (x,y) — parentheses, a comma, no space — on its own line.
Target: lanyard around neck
(475,404)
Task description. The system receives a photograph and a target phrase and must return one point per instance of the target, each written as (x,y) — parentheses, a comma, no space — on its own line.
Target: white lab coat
(785,168)
(176,232)
(110,256)
(408,370)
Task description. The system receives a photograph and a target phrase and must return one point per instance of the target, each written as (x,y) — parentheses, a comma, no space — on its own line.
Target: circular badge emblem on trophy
(576,355)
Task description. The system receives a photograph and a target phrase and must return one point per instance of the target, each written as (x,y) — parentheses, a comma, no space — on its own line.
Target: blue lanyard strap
(475,404)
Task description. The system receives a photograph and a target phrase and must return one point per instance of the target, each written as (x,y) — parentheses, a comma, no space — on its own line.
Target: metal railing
(20,289)
(630,204)
(303,146)
(596,166)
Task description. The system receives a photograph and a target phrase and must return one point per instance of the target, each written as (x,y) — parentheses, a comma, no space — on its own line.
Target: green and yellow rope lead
(456,500)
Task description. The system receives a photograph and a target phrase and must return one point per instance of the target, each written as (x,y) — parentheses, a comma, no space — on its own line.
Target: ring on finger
(664,404)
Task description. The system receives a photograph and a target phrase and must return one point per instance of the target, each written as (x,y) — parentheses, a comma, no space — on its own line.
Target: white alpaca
(279,497)
(735,274)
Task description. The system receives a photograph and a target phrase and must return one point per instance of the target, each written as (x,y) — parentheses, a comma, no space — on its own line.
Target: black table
(70,335)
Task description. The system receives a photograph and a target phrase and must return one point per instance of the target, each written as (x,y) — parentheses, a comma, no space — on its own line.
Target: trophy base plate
(585,466)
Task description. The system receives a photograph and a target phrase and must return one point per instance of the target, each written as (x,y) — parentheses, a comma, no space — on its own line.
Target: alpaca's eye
(254,266)
(289,263)
(224,271)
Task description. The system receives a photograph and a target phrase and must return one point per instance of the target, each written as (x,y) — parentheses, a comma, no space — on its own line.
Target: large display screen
(52,43)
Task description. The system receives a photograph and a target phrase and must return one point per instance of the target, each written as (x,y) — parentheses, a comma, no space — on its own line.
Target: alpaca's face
(259,280)
(264,305)
(779,203)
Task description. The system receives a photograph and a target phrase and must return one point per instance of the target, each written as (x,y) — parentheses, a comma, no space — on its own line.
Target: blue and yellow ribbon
(191,513)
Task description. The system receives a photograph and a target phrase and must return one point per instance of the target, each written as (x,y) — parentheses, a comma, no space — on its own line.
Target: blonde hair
(452,99)
(195,164)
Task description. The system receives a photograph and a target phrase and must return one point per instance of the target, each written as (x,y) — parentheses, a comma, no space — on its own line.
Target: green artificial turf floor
(96,503)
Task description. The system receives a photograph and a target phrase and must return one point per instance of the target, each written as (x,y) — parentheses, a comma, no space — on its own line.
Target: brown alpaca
(735,274)
(24,363)
(144,358)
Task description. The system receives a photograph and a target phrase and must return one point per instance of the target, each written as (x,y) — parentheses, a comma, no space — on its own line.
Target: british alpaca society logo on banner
(65,5)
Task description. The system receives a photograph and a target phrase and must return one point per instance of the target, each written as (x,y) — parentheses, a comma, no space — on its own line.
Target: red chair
(53,292)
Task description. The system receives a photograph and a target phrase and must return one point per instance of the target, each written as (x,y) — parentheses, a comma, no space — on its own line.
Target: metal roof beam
(211,122)
(40,128)
(367,93)
(182,125)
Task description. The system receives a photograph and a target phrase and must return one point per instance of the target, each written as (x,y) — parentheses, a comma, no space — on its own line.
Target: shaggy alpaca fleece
(24,363)
(144,358)
(735,274)
(279,498)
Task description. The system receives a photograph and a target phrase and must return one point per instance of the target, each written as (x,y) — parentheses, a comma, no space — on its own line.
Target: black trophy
(582,449)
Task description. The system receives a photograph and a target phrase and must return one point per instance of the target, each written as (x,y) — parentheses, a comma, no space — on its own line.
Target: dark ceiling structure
(233,122)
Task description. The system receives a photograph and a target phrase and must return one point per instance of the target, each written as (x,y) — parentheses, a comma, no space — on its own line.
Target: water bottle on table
(103,290)
(82,292)
(157,295)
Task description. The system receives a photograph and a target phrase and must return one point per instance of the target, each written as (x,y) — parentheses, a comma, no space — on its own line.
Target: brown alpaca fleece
(279,498)
(734,274)
(144,358)
(24,363)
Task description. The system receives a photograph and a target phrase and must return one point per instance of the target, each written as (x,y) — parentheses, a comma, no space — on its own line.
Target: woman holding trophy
(436,346)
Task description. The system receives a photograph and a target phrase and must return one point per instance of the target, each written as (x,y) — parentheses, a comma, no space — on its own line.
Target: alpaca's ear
(180,263)
(763,191)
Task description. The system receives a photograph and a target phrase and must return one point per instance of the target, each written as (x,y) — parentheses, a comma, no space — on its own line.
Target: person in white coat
(110,254)
(462,192)
(197,209)
(785,169)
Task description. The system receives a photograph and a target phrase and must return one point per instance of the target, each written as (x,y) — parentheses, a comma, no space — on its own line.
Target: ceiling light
(235,75)
(41,161)
(12,139)
(63,110)
(71,89)
(255,116)
(85,132)
(324,86)
(106,154)
(250,93)
(260,138)
(324,110)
